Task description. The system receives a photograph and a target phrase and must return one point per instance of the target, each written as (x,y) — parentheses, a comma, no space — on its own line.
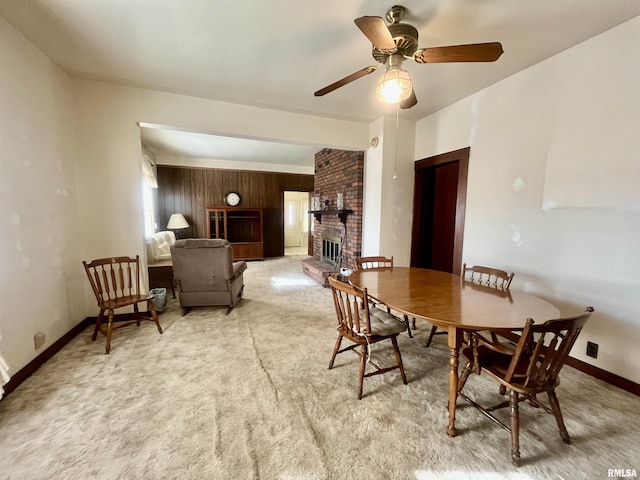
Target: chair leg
(503,390)
(406,322)
(363,364)
(98,324)
(137,312)
(335,351)
(109,332)
(433,332)
(154,315)
(396,350)
(555,408)
(413,323)
(515,428)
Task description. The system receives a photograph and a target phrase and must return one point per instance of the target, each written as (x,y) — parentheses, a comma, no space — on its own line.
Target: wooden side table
(161,275)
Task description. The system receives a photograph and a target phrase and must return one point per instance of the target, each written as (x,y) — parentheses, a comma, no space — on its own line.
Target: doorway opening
(297,223)
(440,193)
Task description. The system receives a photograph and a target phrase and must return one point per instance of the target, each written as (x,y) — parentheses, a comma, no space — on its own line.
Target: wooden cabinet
(242,227)
(247,251)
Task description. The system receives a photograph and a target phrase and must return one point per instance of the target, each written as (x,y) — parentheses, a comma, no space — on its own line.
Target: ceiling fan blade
(348,79)
(476,52)
(410,101)
(377,32)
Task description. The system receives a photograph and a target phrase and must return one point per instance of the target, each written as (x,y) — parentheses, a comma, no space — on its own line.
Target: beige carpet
(248,396)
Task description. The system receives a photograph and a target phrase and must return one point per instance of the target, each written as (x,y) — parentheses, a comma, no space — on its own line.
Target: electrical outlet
(39,339)
(592,349)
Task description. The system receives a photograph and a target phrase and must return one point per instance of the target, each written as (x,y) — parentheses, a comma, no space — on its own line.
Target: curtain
(149,174)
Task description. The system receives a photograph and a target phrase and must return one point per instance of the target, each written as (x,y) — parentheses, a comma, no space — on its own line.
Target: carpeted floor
(248,396)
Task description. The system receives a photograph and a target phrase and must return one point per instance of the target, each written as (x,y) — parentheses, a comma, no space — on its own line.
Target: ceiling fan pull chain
(395,155)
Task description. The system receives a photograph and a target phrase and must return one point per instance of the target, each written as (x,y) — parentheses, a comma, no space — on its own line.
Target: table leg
(454,341)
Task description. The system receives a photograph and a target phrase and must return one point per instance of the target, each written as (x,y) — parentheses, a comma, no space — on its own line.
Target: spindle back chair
(363,327)
(525,369)
(116,284)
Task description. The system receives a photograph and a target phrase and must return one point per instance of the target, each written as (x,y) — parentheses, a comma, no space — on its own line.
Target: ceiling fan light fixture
(394,86)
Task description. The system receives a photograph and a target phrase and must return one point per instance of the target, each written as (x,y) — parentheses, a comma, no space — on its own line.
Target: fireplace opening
(331,250)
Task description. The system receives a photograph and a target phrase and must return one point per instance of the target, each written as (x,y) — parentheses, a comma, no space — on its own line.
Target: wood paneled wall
(191,190)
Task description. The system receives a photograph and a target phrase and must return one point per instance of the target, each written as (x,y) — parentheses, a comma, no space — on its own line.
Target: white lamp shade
(177,221)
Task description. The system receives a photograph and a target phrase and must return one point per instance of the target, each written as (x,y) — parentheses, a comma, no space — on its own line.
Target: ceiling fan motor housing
(405,37)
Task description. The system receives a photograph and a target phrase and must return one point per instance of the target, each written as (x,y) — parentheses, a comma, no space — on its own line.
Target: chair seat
(124,301)
(497,364)
(383,323)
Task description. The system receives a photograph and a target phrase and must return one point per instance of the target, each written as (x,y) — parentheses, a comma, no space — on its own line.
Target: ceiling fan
(398,42)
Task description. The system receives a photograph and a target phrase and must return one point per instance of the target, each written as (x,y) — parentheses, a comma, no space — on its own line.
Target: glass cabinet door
(221,225)
(216,224)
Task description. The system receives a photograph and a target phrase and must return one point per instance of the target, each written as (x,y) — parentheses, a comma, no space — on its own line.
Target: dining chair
(116,284)
(381,263)
(528,368)
(481,276)
(487,276)
(363,327)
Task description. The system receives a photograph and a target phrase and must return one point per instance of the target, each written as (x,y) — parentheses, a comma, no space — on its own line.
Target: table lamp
(177,222)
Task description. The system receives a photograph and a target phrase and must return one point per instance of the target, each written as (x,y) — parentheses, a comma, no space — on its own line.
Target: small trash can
(159,299)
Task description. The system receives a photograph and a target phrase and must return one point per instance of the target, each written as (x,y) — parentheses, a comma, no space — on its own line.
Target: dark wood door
(438,211)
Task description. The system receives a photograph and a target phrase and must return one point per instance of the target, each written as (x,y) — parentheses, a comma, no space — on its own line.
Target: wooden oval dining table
(453,305)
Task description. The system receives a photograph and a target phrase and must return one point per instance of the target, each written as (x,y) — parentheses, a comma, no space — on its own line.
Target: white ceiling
(181,144)
(276,53)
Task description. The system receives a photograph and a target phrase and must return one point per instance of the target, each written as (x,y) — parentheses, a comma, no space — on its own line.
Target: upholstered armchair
(159,245)
(205,273)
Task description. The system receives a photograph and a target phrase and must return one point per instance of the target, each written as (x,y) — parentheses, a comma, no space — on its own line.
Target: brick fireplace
(337,171)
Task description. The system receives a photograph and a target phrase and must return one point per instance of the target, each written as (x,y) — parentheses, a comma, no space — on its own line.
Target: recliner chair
(205,273)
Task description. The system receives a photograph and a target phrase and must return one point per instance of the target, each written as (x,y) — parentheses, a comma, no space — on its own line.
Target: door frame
(310,217)
(462,157)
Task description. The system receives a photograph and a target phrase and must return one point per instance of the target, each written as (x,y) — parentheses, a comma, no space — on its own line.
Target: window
(149,184)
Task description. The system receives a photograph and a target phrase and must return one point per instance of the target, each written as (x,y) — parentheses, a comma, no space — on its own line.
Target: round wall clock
(232,199)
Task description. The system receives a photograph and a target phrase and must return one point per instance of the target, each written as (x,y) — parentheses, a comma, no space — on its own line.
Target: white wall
(574,256)
(40,264)
(397,193)
(387,205)
(372,192)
